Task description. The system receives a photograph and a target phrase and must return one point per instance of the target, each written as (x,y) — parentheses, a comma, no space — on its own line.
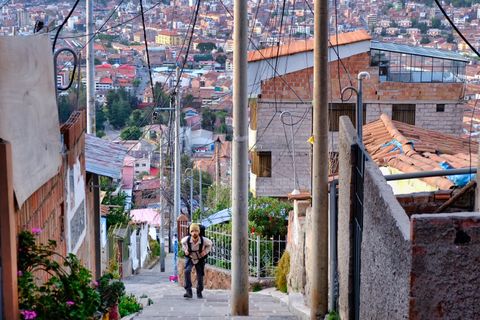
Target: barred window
(404,113)
(336,110)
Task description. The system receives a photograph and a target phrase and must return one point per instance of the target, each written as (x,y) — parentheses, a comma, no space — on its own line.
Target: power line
(146,46)
(63,23)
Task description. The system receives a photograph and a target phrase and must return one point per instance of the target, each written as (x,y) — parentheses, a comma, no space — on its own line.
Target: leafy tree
(97,62)
(65,108)
(423,27)
(221,59)
(136,82)
(424,40)
(136,118)
(436,23)
(116,214)
(218,198)
(268,216)
(119,106)
(100,133)
(131,133)
(100,119)
(208,119)
(450,38)
(187,100)
(206,46)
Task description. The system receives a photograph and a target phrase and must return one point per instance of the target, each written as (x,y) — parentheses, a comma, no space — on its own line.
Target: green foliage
(69,293)
(221,58)
(128,305)
(116,214)
(208,119)
(218,198)
(256,286)
(333,315)
(111,290)
(100,133)
(282,271)
(268,216)
(136,118)
(450,38)
(131,133)
(202,57)
(425,40)
(120,104)
(154,248)
(206,46)
(65,108)
(437,23)
(100,118)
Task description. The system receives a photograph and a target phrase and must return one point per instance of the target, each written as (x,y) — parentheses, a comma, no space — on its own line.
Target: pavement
(169,303)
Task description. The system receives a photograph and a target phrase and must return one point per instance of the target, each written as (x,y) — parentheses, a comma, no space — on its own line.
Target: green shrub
(128,305)
(282,271)
(155,248)
(333,315)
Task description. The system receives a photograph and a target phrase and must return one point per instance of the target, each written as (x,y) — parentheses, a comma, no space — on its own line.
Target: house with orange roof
(420,86)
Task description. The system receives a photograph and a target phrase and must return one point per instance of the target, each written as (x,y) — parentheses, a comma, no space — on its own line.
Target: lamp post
(296,190)
(359,111)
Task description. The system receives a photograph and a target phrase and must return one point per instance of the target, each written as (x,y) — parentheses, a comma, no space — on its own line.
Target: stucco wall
(386,253)
(445,266)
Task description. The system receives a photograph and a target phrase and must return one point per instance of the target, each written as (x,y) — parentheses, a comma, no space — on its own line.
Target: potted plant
(111,290)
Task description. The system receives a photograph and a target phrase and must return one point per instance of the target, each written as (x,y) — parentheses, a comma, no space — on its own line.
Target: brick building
(420,86)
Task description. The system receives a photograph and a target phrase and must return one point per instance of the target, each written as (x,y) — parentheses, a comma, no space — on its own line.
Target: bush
(128,305)
(111,290)
(155,248)
(69,293)
(282,271)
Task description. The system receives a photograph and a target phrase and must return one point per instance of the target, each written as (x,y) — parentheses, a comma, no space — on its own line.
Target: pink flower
(28,314)
(94,283)
(70,303)
(36,231)
(19,273)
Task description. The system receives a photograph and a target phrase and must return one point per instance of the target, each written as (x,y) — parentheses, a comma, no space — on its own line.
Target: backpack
(202,234)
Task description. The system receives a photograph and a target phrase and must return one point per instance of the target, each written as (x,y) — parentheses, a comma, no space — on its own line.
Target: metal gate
(358,176)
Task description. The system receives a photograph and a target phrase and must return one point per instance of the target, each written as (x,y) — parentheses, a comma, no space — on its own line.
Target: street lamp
(295,180)
(359,111)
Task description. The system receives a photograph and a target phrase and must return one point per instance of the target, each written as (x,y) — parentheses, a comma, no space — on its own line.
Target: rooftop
(103,157)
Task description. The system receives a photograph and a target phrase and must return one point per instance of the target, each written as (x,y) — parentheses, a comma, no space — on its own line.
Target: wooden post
(8,241)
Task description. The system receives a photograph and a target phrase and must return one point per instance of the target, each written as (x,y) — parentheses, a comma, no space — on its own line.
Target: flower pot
(106,316)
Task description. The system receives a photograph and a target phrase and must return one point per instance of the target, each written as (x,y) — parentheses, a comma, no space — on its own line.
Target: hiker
(196,248)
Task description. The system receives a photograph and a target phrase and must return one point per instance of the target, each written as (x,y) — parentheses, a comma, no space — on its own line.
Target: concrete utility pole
(240,163)
(217,162)
(162,207)
(91,128)
(319,265)
(177,161)
(200,193)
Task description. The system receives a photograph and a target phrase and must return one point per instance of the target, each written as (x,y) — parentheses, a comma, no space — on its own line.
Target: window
(441,107)
(144,164)
(336,110)
(262,163)
(404,113)
(137,165)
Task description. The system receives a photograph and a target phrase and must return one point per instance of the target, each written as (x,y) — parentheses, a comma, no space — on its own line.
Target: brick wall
(445,268)
(45,208)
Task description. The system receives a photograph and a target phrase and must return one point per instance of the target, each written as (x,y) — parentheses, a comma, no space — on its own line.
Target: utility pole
(200,193)
(217,169)
(90,71)
(240,163)
(319,271)
(162,206)
(177,161)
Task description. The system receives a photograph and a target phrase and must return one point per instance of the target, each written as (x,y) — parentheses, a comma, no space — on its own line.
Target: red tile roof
(307,45)
(417,149)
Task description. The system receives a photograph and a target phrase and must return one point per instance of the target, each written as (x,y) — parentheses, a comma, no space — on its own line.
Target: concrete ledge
(294,301)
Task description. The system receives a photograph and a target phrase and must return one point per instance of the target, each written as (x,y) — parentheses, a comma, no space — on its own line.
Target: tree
(424,40)
(450,38)
(206,46)
(218,198)
(423,27)
(208,119)
(65,108)
(100,119)
(268,216)
(436,23)
(119,107)
(221,59)
(131,133)
(187,100)
(136,118)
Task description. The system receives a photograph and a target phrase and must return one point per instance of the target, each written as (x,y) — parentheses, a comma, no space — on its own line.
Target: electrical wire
(63,23)
(146,45)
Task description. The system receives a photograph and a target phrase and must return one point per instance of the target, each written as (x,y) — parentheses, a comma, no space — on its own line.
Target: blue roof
(218,217)
(103,157)
(420,51)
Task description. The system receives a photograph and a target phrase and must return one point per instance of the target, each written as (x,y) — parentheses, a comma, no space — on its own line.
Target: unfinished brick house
(419,86)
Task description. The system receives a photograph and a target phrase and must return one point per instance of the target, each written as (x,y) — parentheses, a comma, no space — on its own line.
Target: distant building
(170,38)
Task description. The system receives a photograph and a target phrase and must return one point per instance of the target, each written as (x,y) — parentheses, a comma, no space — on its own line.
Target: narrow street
(169,303)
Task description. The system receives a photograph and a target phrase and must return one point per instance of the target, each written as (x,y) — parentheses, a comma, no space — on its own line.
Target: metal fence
(263,253)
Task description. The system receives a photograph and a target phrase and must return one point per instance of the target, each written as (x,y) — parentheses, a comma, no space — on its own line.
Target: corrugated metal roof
(420,51)
(307,45)
(218,217)
(103,157)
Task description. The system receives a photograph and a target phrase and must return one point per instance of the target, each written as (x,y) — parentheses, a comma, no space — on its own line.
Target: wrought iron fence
(263,253)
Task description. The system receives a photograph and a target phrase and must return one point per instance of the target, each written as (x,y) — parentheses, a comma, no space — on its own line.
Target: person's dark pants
(199,268)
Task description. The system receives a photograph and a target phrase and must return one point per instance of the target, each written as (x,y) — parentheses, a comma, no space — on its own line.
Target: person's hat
(194,226)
